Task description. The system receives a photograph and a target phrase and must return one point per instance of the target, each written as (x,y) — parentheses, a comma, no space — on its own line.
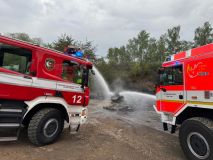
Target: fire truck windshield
(171,75)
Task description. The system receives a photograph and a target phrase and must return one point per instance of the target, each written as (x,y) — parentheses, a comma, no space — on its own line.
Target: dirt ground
(103,137)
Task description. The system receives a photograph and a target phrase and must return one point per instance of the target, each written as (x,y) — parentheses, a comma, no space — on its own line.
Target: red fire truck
(185,100)
(40,89)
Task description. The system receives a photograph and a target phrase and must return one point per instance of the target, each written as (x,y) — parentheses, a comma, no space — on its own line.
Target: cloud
(108,23)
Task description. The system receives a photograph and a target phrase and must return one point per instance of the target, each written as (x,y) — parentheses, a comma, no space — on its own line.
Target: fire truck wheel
(196,138)
(45,126)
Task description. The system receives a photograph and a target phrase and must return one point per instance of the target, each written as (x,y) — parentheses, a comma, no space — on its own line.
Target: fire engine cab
(185,100)
(40,89)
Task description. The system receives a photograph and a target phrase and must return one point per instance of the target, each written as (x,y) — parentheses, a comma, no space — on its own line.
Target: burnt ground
(104,137)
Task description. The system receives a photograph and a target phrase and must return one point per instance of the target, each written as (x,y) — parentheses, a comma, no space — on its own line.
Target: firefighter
(68,73)
(78,75)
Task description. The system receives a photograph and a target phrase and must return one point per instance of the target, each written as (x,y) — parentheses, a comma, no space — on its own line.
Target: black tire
(196,138)
(45,126)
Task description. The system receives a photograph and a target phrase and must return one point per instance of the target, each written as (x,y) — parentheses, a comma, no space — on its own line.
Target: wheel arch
(38,104)
(191,112)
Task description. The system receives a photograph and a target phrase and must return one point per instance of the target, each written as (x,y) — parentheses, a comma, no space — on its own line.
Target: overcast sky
(108,23)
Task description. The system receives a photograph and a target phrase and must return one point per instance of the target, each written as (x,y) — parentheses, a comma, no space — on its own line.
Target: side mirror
(93,72)
(85,78)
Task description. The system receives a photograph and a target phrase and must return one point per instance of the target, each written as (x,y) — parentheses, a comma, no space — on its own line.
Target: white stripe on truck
(19,80)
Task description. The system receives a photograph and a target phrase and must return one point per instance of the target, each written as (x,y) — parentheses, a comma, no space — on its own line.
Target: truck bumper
(154,106)
(166,117)
(77,117)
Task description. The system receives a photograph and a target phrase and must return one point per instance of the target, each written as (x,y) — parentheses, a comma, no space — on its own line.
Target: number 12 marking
(77,99)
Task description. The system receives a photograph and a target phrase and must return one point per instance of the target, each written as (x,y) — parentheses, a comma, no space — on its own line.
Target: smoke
(117,85)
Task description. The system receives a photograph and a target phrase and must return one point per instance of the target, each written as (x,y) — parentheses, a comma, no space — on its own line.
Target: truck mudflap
(77,118)
(167,119)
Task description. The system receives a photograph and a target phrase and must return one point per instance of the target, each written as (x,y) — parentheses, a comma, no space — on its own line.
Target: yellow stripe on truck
(191,102)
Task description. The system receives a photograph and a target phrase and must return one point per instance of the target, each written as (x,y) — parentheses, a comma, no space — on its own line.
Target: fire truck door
(71,88)
(172,98)
(172,90)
